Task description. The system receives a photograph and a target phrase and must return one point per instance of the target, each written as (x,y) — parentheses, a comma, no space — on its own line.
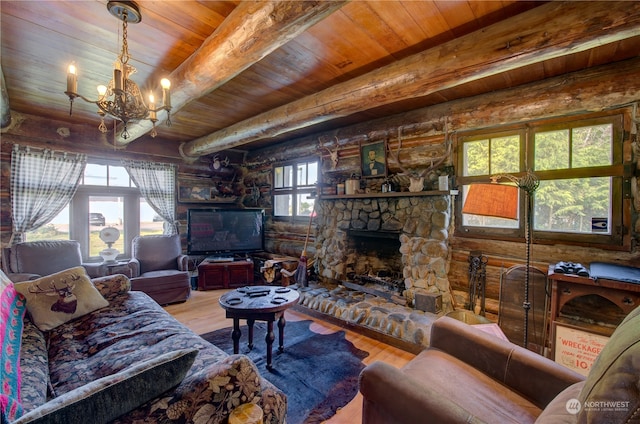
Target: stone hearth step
(371,312)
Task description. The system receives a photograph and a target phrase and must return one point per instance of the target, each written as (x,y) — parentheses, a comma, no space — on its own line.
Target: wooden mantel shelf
(390,194)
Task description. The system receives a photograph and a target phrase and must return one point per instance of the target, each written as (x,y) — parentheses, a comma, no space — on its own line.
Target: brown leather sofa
(160,269)
(33,259)
(468,376)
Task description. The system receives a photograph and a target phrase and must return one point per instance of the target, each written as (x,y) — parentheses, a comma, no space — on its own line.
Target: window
(107,190)
(490,155)
(96,174)
(56,229)
(105,211)
(293,183)
(579,164)
(106,197)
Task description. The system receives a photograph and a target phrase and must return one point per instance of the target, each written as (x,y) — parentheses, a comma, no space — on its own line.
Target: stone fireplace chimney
(362,234)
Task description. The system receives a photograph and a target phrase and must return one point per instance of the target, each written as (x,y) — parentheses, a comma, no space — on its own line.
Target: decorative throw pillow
(610,392)
(112,286)
(60,297)
(12,308)
(110,397)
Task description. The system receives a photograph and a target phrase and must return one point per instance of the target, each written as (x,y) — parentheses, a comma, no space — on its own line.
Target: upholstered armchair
(469,376)
(34,259)
(160,269)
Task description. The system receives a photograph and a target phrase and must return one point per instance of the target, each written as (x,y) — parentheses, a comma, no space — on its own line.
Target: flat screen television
(225,231)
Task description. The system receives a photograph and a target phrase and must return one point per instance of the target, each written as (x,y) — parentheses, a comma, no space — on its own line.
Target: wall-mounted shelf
(390,194)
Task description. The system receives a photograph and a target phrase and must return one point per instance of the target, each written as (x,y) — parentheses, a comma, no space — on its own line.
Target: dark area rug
(318,373)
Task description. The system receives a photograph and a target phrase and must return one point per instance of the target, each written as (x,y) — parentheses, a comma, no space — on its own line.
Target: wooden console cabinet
(565,287)
(225,275)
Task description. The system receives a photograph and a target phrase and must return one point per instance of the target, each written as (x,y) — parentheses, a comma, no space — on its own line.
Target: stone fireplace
(403,234)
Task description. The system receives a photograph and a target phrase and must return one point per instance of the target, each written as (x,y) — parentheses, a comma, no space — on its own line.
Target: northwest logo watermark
(573,406)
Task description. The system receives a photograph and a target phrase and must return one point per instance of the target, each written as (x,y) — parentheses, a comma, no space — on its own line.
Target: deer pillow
(60,297)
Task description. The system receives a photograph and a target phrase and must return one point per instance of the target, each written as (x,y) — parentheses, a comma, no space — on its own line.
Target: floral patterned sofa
(64,367)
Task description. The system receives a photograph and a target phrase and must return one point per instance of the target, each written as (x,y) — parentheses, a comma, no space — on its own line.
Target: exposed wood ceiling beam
(5,112)
(248,34)
(551,30)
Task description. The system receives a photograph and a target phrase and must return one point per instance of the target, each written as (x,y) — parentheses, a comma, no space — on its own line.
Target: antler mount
(416,177)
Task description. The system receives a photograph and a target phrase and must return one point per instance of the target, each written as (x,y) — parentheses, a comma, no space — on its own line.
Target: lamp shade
(496,200)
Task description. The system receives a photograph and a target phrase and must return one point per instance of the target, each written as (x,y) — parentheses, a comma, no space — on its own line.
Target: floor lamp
(501,201)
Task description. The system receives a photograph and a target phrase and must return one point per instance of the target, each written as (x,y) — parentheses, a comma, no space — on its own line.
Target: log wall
(423,136)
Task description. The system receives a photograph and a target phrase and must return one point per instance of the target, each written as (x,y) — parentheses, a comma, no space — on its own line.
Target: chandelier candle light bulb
(117,77)
(72,79)
(166,95)
(152,106)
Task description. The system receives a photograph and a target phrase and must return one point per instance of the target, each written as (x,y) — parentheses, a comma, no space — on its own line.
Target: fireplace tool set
(477,282)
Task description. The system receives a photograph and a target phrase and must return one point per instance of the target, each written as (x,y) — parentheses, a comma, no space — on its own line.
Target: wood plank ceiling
(236,66)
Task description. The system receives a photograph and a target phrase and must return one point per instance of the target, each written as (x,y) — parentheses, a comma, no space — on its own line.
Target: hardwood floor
(202,314)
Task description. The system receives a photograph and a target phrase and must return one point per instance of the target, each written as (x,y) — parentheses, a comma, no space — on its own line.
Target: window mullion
(570,148)
(599,171)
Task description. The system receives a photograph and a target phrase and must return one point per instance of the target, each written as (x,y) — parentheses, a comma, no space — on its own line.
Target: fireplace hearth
(371,314)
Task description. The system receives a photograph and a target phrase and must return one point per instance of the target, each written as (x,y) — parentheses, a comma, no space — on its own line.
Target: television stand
(225,275)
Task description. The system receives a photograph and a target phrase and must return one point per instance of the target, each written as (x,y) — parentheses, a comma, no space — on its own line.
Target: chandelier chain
(124,54)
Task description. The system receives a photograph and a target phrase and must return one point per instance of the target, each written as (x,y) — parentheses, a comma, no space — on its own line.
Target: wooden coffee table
(259,303)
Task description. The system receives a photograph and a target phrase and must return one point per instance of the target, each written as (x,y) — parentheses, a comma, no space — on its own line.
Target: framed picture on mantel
(373,159)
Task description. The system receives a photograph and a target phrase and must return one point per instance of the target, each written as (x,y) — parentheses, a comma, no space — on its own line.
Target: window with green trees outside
(580,166)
